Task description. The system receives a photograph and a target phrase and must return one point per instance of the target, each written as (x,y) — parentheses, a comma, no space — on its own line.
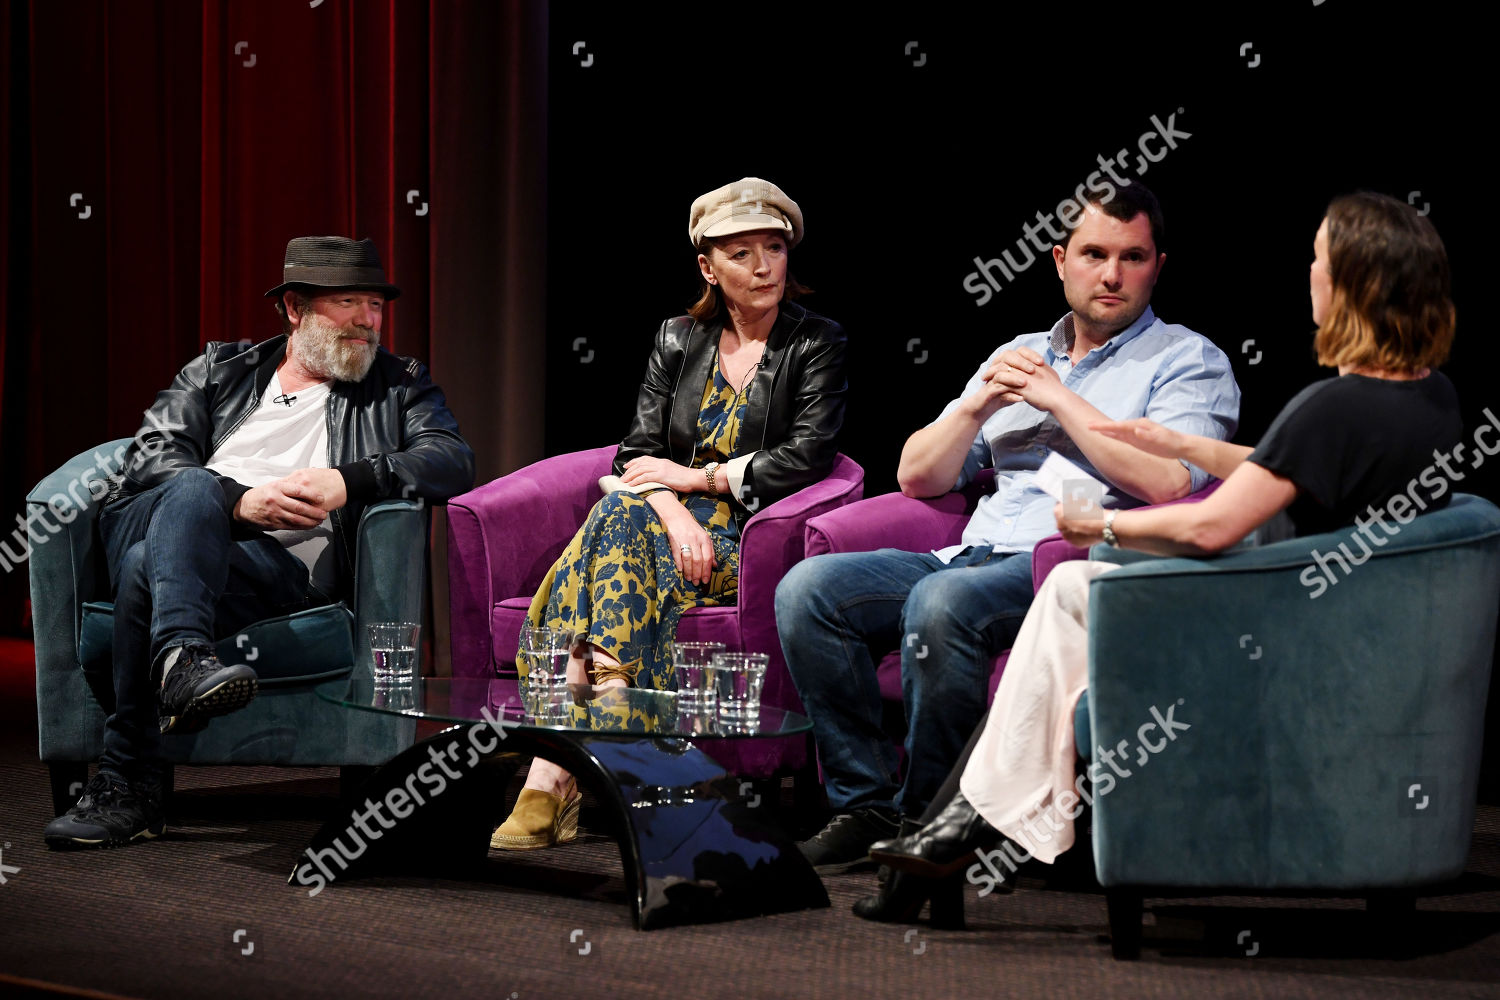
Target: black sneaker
(112,812)
(200,687)
(844,844)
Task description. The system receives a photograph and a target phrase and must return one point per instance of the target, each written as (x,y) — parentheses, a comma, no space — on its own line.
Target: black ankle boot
(902,896)
(943,846)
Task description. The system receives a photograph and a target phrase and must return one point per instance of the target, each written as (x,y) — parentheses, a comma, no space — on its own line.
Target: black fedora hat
(324,262)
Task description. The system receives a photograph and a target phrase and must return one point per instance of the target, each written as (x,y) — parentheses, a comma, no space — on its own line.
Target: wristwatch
(709,471)
(1109,529)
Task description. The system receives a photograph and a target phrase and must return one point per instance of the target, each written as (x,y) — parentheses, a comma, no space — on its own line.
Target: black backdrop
(909,161)
(906,173)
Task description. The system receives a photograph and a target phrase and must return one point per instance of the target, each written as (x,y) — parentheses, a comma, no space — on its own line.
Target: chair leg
(67,778)
(1125,906)
(1391,915)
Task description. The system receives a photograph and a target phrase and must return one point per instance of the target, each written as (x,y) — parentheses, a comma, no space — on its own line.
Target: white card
(1080,493)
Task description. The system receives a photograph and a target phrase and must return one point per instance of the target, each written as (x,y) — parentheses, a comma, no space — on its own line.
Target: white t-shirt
(277,439)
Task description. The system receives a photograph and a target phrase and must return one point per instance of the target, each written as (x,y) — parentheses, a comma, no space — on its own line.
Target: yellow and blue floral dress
(616,585)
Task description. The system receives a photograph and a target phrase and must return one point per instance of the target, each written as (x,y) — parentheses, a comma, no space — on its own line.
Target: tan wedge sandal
(539,819)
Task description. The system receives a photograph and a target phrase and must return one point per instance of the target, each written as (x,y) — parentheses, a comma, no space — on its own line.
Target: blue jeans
(836,612)
(181,573)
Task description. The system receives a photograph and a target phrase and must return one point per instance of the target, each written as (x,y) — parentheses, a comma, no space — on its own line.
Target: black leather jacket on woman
(390,434)
(793,412)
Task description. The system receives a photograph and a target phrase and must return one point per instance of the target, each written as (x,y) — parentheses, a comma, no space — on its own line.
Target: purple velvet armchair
(896,521)
(505,535)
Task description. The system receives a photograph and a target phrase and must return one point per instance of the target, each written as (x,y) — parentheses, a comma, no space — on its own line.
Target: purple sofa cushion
(505,629)
(711,625)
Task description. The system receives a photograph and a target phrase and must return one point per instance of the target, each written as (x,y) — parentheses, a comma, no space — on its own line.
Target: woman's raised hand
(1146,435)
(647,469)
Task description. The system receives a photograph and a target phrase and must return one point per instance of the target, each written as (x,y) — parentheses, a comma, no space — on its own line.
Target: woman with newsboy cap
(741,405)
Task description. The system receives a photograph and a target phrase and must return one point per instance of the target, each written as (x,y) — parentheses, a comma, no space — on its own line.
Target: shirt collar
(1061,337)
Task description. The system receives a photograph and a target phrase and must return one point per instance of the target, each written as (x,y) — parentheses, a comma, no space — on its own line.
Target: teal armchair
(286,723)
(1336,730)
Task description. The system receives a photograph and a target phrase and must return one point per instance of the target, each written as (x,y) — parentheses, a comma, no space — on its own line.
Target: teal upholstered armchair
(1336,713)
(287,723)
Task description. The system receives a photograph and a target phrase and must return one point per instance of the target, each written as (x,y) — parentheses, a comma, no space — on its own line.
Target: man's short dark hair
(1129,201)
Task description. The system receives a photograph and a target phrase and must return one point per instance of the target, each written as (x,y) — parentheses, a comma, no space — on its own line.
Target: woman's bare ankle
(545,776)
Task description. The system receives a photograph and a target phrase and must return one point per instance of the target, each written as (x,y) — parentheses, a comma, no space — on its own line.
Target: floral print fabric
(616,583)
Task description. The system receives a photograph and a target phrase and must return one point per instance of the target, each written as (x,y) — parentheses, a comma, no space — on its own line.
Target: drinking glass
(393,650)
(739,678)
(545,652)
(692,662)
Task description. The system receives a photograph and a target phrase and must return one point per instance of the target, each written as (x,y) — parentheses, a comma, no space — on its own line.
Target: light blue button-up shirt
(1168,373)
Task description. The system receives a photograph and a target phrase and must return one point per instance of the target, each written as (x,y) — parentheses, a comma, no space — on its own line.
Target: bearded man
(239,500)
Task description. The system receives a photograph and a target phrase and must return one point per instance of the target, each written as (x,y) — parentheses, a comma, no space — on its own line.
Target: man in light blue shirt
(1109,358)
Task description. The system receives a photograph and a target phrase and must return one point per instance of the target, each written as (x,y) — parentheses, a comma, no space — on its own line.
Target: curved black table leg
(692,849)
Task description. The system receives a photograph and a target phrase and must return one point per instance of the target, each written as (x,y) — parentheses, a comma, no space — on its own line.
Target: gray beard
(322,349)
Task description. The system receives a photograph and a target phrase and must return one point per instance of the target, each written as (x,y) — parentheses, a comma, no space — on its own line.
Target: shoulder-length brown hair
(711,302)
(1391,307)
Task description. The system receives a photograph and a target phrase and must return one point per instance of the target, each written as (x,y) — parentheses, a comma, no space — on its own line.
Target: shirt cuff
(359,481)
(233,490)
(735,469)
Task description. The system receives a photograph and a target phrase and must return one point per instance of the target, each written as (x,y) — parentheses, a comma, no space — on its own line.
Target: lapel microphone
(285,399)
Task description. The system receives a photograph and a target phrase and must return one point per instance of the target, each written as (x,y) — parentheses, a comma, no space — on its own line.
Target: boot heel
(947,911)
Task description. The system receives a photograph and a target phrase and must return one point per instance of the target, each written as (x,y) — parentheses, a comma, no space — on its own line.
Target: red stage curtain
(198,139)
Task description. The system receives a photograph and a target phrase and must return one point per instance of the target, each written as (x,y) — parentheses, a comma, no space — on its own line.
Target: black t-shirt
(1351,443)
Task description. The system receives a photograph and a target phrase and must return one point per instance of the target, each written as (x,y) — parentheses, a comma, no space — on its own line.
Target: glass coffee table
(694,846)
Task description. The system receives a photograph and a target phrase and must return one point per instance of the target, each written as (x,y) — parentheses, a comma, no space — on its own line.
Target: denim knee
(195,493)
(805,587)
(938,605)
(195,481)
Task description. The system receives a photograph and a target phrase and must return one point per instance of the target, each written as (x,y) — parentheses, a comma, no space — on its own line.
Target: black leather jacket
(390,434)
(793,413)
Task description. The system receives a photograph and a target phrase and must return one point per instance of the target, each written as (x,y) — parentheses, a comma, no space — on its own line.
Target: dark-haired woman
(1380,298)
(741,405)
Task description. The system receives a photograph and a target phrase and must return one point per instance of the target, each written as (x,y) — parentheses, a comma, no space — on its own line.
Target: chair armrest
(505,535)
(891,520)
(66,565)
(1048,553)
(771,544)
(66,559)
(390,569)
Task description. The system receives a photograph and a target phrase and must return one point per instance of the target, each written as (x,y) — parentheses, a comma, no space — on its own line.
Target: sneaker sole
(865,863)
(80,843)
(230,696)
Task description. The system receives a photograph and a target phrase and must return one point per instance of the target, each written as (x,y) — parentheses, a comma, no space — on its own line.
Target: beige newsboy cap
(748,204)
